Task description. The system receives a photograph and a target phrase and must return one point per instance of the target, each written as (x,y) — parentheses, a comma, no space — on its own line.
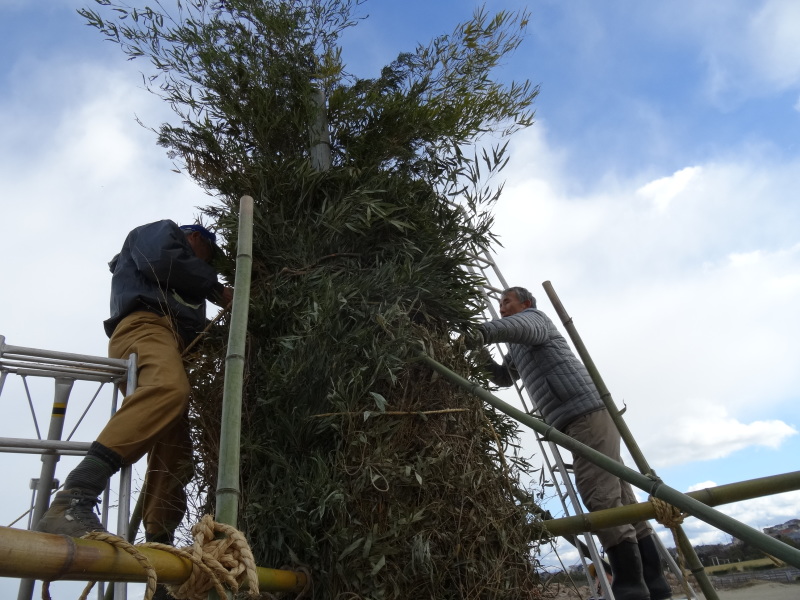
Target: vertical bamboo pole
(230,438)
(319,134)
(229,451)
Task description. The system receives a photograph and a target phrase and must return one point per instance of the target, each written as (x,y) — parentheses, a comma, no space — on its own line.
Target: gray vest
(557,382)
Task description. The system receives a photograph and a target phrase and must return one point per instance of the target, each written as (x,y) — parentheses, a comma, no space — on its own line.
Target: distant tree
(347,467)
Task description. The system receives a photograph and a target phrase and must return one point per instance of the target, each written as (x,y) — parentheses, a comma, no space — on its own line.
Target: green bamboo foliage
(356,462)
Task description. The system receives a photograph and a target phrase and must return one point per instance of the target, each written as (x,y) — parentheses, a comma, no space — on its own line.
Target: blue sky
(657,190)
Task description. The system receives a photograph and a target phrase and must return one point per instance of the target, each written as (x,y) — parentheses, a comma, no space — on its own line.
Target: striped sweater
(557,382)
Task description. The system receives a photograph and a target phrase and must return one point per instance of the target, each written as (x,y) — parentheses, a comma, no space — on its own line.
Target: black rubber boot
(652,570)
(626,566)
(160,538)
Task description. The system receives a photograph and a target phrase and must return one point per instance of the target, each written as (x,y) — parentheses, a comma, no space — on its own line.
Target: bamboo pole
(695,566)
(605,394)
(229,453)
(723,494)
(653,486)
(59,557)
(320,137)
(228,491)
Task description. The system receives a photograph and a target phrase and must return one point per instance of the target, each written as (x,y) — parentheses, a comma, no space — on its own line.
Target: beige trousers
(598,488)
(154,419)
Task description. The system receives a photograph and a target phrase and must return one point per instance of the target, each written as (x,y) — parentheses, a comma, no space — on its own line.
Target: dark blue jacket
(157,271)
(557,382)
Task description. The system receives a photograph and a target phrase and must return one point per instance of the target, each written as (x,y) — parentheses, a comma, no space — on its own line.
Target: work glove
(473,338)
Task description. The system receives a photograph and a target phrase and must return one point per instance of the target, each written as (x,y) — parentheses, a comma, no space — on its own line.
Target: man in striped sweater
(562,390)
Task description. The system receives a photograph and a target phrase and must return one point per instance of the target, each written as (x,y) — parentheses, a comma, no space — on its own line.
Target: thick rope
(218,560)
(124,545)
(672,517)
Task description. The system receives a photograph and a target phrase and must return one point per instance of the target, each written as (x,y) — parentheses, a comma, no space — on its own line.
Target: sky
(657,191)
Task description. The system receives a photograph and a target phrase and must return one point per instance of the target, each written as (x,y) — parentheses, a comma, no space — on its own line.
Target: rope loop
(220,554)
(672,517)
(125,546)
(668,515)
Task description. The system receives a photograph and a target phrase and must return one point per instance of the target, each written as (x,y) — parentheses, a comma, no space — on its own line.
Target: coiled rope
(218,561)
(672,517)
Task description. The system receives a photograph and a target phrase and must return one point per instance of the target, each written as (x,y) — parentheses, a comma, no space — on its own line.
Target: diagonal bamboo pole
(722,494)
(695,566)
(59,557)
(605,394)
(652,485)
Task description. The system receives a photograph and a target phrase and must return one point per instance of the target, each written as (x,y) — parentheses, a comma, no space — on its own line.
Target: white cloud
(758,513)
(82,173)
(745,259)
(749,49)
(708,432)
(685,311)
(662,192)
(773,49)
(701,486)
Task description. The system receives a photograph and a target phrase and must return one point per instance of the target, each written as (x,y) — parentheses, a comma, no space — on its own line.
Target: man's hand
(226,297)
(473,339)
(221,295)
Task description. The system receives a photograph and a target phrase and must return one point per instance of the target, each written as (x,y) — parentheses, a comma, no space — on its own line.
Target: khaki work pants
(154,418)
(598,488)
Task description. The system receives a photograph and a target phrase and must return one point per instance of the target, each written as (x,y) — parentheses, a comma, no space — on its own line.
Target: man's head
(514,300)
(202,241)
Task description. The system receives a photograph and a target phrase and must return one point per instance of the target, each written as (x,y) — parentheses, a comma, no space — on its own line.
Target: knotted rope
(218,560)
(672,517)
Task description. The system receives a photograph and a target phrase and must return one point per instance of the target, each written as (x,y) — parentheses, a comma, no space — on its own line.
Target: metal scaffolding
(64,369)
(70,558)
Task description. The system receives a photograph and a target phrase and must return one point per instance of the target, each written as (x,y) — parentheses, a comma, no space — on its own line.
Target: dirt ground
(763,591)
(755,591)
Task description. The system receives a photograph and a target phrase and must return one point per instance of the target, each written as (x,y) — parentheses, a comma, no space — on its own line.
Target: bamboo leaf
(378,566)
(380,401)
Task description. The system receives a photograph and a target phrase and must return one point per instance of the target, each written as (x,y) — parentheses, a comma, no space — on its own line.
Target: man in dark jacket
(161,280)
(561,388)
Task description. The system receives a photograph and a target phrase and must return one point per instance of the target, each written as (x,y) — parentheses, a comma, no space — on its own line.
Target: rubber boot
(160,538)
(626,566)
(652,571)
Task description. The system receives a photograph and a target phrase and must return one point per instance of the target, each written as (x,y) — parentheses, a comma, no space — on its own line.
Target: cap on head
(202,231)
(207,235)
